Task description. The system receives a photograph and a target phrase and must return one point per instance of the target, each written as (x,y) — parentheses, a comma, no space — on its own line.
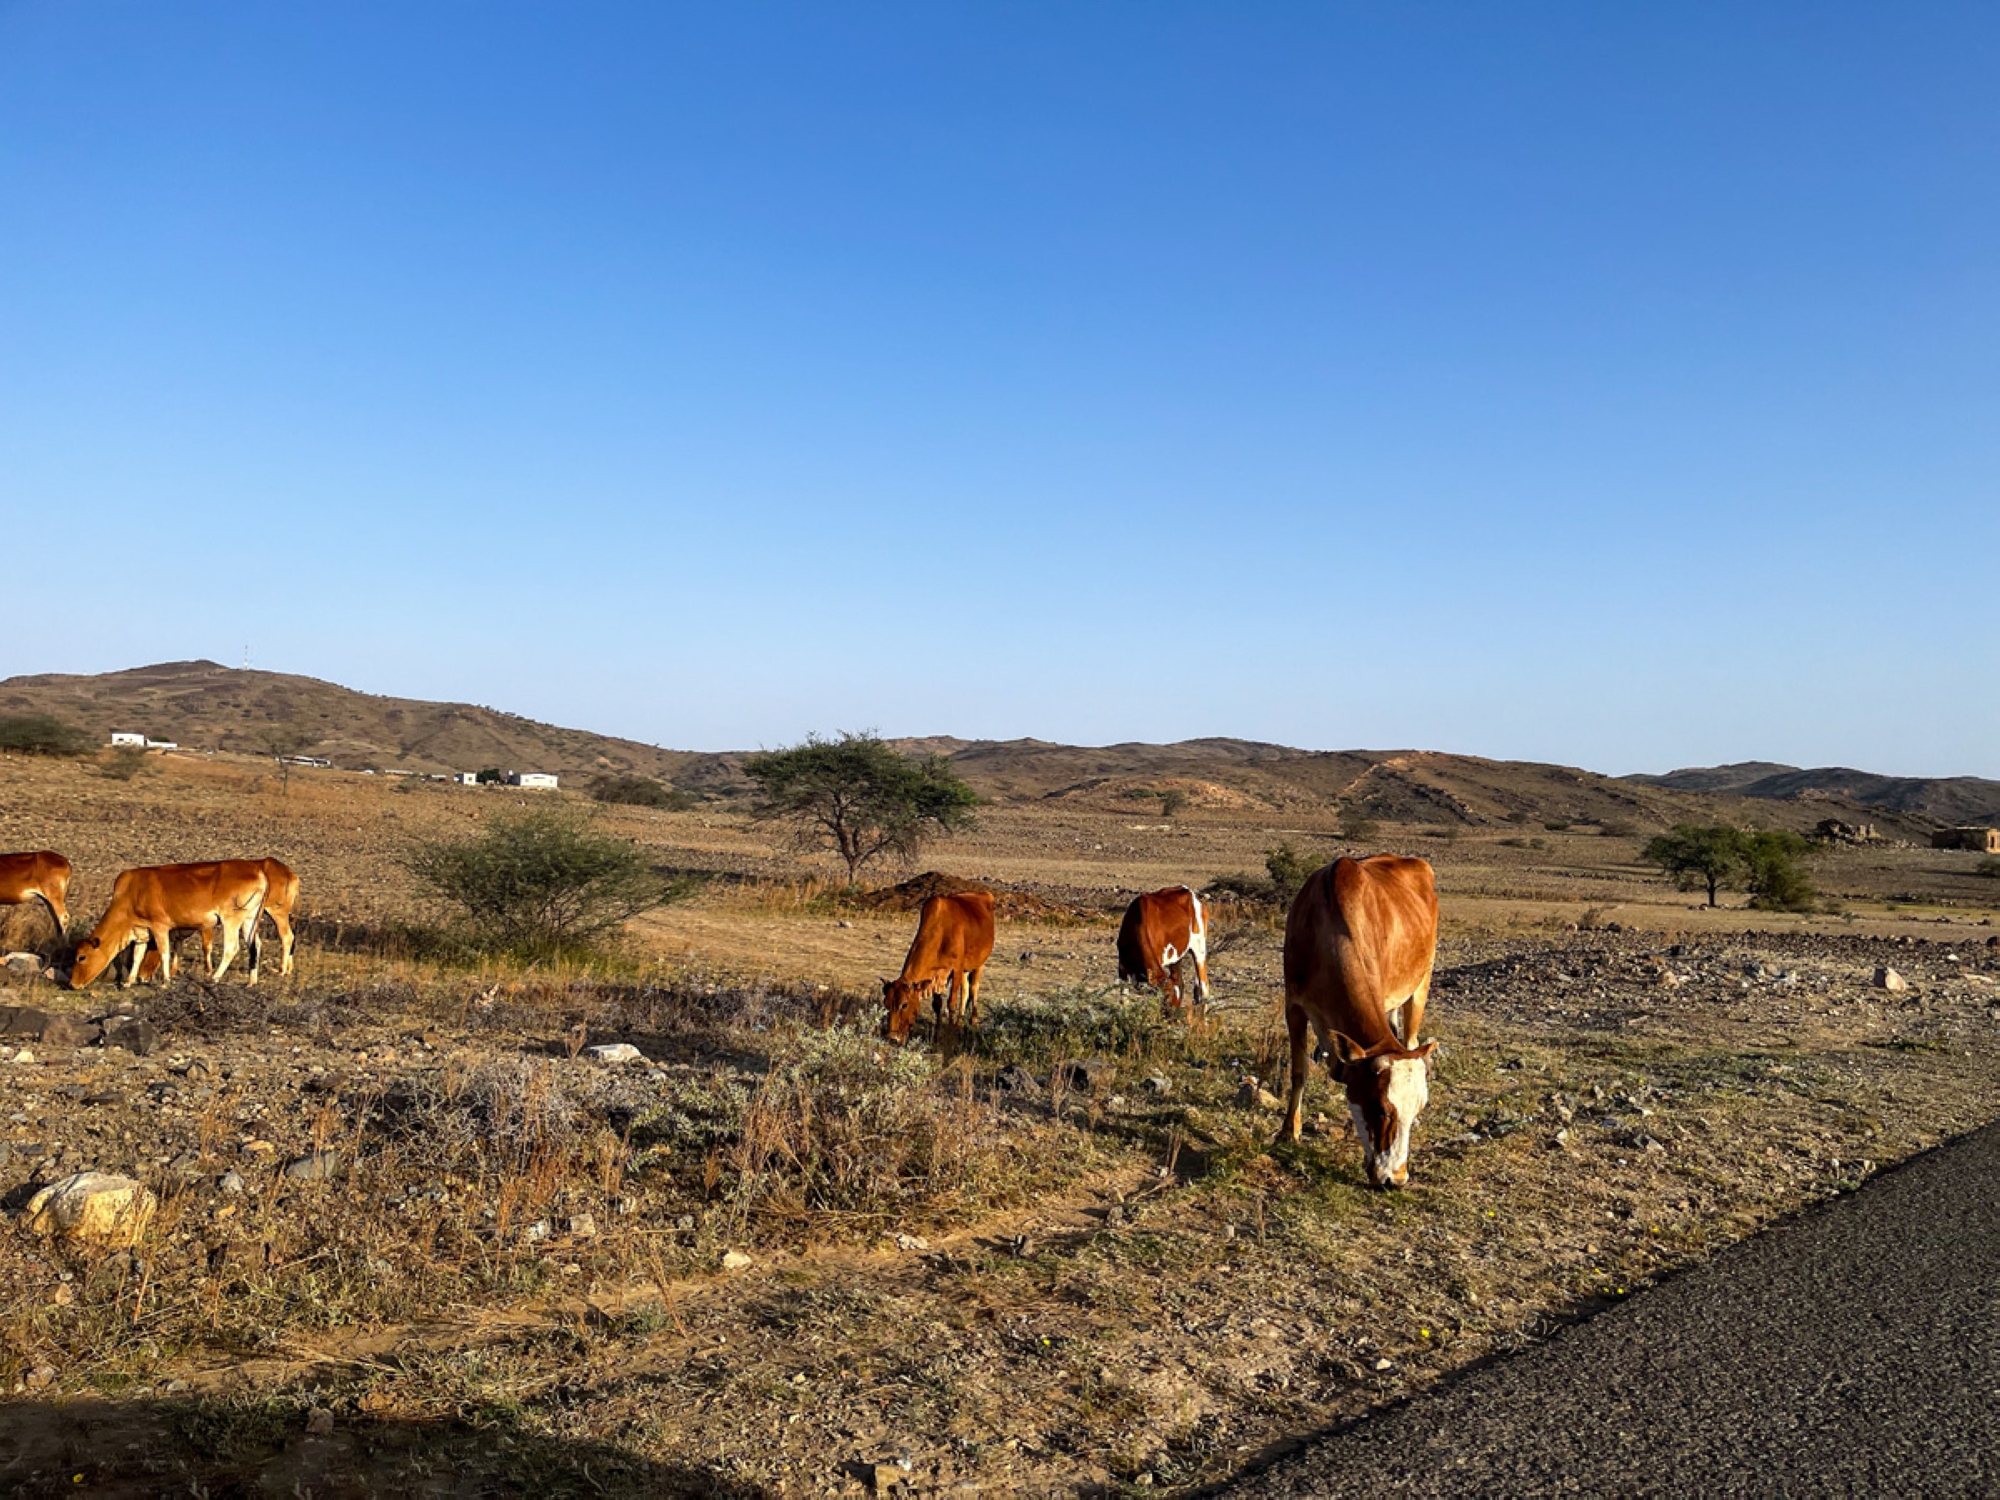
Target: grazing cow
(147,904)
(44,874)
(1161,928)
(954,940)
(1359,944)
(280,897)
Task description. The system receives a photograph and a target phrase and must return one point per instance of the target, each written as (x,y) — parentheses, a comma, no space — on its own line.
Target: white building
(542,779)
(467,778)
(161,745)
(121,741)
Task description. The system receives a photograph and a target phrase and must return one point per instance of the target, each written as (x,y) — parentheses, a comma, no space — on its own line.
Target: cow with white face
(1359,944)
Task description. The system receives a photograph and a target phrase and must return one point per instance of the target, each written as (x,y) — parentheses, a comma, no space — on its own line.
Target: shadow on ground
(219,1448)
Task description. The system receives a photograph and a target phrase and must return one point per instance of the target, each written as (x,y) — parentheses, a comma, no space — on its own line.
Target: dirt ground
(411,1235)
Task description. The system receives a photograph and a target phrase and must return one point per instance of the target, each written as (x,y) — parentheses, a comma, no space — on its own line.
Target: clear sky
(1605,384)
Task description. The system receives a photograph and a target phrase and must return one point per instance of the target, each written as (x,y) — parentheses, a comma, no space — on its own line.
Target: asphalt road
(1852,1350)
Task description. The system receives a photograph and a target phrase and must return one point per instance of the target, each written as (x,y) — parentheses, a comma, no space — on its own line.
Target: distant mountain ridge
(204,705)
(1954,800)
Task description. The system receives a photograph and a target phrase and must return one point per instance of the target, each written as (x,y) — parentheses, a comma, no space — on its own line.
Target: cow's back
(281,885)
(1361,934)
(953,932)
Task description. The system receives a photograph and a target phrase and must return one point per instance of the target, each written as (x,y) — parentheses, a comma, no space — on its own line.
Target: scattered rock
(70,1031)
(41,1377)
(1385,1363)
(230,1181)
(616,1052)
(736,1260)
(319,1422)
(1251,1094)
(1159,1083)
(583,1226)
(314,1166)
(93,1206)
(139,1037)
(1888,979)
(909,1242)
(1015,1079)
(25,965)
(24,1057)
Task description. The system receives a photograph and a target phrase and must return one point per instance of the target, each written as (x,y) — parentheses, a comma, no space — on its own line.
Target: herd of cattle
(223,900)
(1360,941)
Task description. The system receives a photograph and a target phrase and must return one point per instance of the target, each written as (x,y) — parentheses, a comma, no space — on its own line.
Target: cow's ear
(885,987)
(1428,1054)
(1345,1053)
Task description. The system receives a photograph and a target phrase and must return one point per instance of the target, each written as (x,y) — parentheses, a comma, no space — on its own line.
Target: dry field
(411,1237)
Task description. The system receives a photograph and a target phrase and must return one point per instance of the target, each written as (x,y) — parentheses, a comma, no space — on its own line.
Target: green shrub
(123,763)
(41,734)
(641,791)
(540,881)
(1989,867)
(1557,825)
(1772,873)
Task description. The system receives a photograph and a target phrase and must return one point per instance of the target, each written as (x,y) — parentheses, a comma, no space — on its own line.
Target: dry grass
(514,1266)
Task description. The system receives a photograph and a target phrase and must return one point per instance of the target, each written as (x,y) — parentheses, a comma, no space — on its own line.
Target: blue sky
(1598,384)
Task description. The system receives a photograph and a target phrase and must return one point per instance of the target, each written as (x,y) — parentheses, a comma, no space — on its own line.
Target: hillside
(1940,799)
(203,705)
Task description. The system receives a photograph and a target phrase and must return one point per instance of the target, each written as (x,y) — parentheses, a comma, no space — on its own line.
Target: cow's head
(93,957)
(1387,1088)
(901,999)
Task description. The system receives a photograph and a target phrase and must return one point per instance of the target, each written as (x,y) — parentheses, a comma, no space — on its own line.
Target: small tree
(1171,802)
(1772,873)
(1288,870)
(123,763)
(41,734)
(283,742)
(1695,856)
(860,797)
(539,880)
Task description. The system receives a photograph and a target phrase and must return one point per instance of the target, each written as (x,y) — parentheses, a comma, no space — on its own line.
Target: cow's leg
(1295,1022)
(972,995)
(284,925)
(136,948)
(253,942)
(1412,1013)
(228,948)
(163,939)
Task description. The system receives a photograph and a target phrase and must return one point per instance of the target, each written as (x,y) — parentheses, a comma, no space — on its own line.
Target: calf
(147,904)
(953,942)
(1359,944)
(281,895)
(43,876)
(1160,930)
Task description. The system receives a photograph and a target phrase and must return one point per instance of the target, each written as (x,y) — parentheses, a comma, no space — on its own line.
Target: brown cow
(280,897)
(1359,944)
(954,940)
(1161,928)
(44,874)
(147,904)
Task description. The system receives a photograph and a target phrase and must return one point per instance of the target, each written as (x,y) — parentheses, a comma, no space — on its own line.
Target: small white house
(467,778)
(123,741)
(161,745)
(541,779)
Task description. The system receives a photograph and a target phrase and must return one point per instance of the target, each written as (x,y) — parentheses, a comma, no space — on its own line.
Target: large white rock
(616,1052)
(95,1206)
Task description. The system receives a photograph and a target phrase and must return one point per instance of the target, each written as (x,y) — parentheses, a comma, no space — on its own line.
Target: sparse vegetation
(641,791)
(41,734)
(1771,871)
(123,763)
(540,881)
(1989,867)
(1696,856)
(860,797)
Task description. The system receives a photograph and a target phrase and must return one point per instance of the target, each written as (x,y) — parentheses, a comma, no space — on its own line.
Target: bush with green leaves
(641,791)
(540,881)
(860,797)
(1715,855)
(41,734)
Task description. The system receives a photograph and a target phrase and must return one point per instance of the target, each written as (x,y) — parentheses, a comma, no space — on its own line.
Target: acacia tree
(1694,855)
(282,742)
(860,797)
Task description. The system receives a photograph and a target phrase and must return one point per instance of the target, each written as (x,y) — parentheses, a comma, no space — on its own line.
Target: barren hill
(1942,799)
(204,705)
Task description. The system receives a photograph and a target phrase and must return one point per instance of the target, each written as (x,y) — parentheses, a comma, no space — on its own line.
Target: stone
(1253,1095)
(26,965)
(1887,978)
(319,1422)
(95,1206)
(70,1031)
(1015,1079)
(912,1242)
(583,1226)
(24,1057)
(1159,1083)
(23,1021)
(230,1181)
(736,1260)
(139,1037)
(314,1166)
(616,1053)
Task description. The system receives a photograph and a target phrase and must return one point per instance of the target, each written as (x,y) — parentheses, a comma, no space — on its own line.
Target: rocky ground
(408,1231)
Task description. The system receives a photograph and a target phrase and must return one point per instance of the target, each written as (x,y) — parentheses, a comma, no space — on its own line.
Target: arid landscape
(412,1234)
